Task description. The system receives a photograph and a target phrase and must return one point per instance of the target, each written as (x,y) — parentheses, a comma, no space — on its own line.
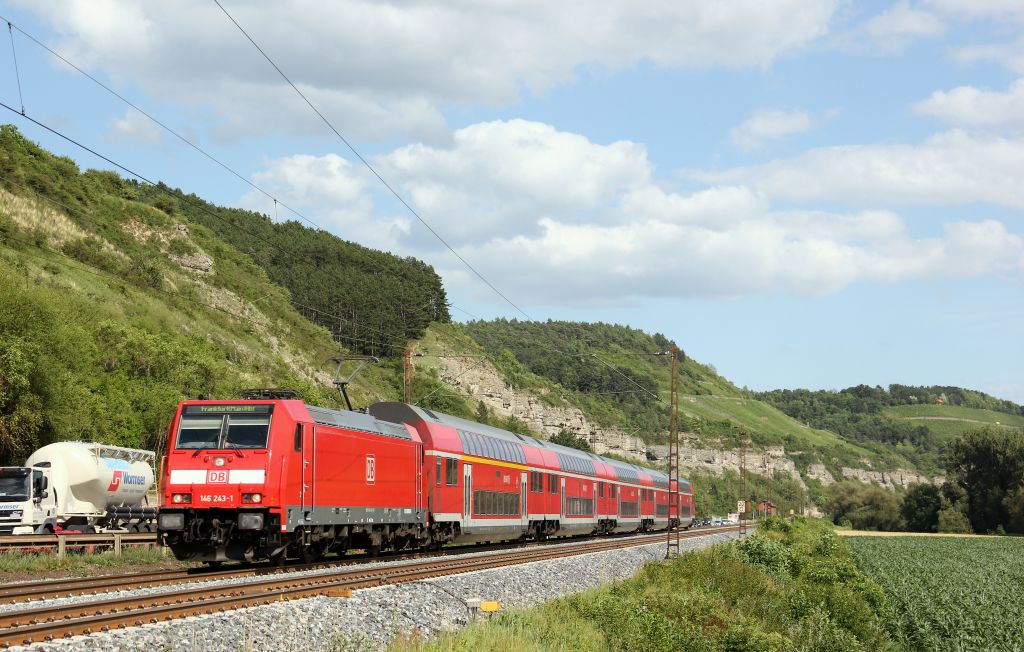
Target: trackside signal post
(672,537)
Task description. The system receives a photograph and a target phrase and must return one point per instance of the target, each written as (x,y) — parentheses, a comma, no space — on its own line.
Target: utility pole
(407,364)
(672,540)
(743,476)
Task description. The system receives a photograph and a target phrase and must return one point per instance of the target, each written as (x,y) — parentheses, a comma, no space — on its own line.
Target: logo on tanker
(371,469)
(216,477)
(131,481)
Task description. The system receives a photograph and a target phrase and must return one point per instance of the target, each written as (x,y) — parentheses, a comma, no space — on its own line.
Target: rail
(46,623)
(62,543)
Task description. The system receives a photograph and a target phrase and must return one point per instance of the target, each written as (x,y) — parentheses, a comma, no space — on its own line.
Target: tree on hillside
(988,464)
(865,507)
(483,414)
(567,438)
(920,508)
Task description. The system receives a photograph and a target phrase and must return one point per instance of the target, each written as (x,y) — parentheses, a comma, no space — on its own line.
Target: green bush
(771,556)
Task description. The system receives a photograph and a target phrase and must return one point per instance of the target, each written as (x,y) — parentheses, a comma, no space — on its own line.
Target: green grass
(758,417)
(948,593)
(81,563)
(790,588)
(950,421)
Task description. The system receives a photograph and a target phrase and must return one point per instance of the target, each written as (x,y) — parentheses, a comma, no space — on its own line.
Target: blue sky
(803,193)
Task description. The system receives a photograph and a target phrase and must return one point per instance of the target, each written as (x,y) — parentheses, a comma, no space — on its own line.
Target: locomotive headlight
(252,498)
(250,521)
(218,461)
(171,521)
(181,498)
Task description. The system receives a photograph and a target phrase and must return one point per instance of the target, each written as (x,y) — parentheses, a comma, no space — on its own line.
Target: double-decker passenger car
(261,479)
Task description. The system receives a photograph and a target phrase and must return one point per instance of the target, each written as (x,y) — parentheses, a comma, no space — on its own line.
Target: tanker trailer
(78,486)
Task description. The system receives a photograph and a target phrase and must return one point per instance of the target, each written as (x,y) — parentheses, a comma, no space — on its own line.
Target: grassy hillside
(949,421)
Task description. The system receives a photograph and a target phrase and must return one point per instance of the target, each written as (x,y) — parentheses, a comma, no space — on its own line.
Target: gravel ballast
(371,618)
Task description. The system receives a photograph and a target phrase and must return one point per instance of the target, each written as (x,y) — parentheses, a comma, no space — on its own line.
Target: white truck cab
(26,502)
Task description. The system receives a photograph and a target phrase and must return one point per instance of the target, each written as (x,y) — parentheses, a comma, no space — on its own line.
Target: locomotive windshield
(14,484)
(224,426)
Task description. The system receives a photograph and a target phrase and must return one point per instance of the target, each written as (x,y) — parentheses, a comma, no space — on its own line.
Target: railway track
(42,624)
(64,587)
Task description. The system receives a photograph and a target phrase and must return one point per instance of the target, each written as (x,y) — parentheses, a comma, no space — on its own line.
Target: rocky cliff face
(481,381)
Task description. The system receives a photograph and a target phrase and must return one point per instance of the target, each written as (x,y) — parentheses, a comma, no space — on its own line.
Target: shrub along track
(46,623)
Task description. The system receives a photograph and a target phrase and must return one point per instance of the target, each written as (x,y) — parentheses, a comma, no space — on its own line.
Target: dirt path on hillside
(960,419)
(870,533)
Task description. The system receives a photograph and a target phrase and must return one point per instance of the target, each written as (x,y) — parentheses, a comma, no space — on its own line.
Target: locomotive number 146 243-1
(223,499)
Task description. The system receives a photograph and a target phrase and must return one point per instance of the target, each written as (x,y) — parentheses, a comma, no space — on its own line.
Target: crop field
(949,421)
(948,594)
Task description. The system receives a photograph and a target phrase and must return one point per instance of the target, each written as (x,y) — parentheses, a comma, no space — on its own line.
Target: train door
(467,495)
(523,512)
(308,460)
(563,498)
(419,476)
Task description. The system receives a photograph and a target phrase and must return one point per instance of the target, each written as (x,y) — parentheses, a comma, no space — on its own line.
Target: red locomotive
(258,479)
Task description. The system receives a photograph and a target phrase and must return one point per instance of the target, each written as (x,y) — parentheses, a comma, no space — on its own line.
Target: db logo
(217,477)
(371,469)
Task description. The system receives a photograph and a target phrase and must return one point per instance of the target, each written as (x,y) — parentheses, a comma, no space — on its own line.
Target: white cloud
(893,29)
(1010,55)
(329,191)
(134,127)
(769,124)
(379,66)
(1003,13)
(554,218)
(973,107)
(953,167)
(498,178)
(980,9)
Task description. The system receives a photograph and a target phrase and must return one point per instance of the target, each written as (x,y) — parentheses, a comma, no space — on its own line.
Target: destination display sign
(228,409)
